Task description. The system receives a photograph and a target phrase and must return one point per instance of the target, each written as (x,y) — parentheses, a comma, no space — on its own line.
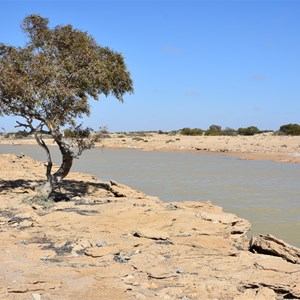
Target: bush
(189,131)
(137,139)
(214,130)
(248,131)
(229,132)
(290,129)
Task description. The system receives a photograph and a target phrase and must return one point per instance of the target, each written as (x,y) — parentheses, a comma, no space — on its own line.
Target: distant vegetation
(252,130)
(216,130)
(213,130)
(290,129)
(189,131)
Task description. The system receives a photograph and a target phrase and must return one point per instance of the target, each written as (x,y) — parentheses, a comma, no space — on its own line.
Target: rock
(101,244)
(270,245)
(121,258)
(132,246)
(101,251)
(151,234)
(36,296)
(260,294)
(238,225)
(121,190)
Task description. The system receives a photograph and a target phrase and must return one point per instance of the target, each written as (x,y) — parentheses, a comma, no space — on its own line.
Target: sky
(193,63)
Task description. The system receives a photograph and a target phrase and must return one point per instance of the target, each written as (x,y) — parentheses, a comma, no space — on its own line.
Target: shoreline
(279,158)
(109,241)
(258,147)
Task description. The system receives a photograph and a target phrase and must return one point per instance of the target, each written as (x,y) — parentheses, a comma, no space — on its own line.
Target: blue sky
(193,63)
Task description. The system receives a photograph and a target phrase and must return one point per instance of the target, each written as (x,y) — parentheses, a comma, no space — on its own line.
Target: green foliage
(214,130)
(229,132)
(141,133)
(21,134)
(170,141)
(290,129)
(252,130)
(137,139)
(69,133)
(103,133)
(172,133)
(51,78)
(189,131)
(49,81)
(16,135)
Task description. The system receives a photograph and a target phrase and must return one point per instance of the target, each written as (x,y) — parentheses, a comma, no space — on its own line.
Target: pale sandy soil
(262,146)
(108,241)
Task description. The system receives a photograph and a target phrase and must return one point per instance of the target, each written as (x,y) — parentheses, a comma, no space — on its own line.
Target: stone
(268,244)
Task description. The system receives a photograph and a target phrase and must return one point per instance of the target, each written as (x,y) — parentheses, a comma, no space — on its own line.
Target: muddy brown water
(264,192)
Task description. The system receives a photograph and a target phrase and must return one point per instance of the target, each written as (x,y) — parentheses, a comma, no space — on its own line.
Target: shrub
(189,131)
(229,132)
(290,129)
(137,139)
(214,130)
(248,131)
(173,132)
(21,134)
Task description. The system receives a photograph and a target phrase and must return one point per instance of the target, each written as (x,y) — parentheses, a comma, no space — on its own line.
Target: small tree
(229,132)
(214,130)
(290,129)
(48,83)
(189,131)
(251,130)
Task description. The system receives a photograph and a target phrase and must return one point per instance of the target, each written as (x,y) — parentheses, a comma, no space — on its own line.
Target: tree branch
(38,129)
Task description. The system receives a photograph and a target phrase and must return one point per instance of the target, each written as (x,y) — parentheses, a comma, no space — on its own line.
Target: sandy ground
(104,240)
(262,146)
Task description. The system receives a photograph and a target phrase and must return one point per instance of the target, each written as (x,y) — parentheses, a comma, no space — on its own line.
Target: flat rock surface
(104,240)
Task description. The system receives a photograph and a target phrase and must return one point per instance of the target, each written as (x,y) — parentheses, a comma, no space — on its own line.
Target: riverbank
(258,147)
(109,241)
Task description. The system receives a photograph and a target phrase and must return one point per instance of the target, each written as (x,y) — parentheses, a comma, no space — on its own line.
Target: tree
(290,129)
(189,131)
(214,130)
(251,130)
(48,83)
(229,132)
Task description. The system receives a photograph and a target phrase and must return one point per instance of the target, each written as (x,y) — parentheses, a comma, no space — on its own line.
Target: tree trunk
(67,161)
(46,190)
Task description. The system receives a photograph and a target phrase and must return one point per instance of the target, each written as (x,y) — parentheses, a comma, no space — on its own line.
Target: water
(264,192)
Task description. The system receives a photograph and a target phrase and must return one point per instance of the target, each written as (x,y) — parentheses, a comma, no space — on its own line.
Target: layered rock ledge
(104,240)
